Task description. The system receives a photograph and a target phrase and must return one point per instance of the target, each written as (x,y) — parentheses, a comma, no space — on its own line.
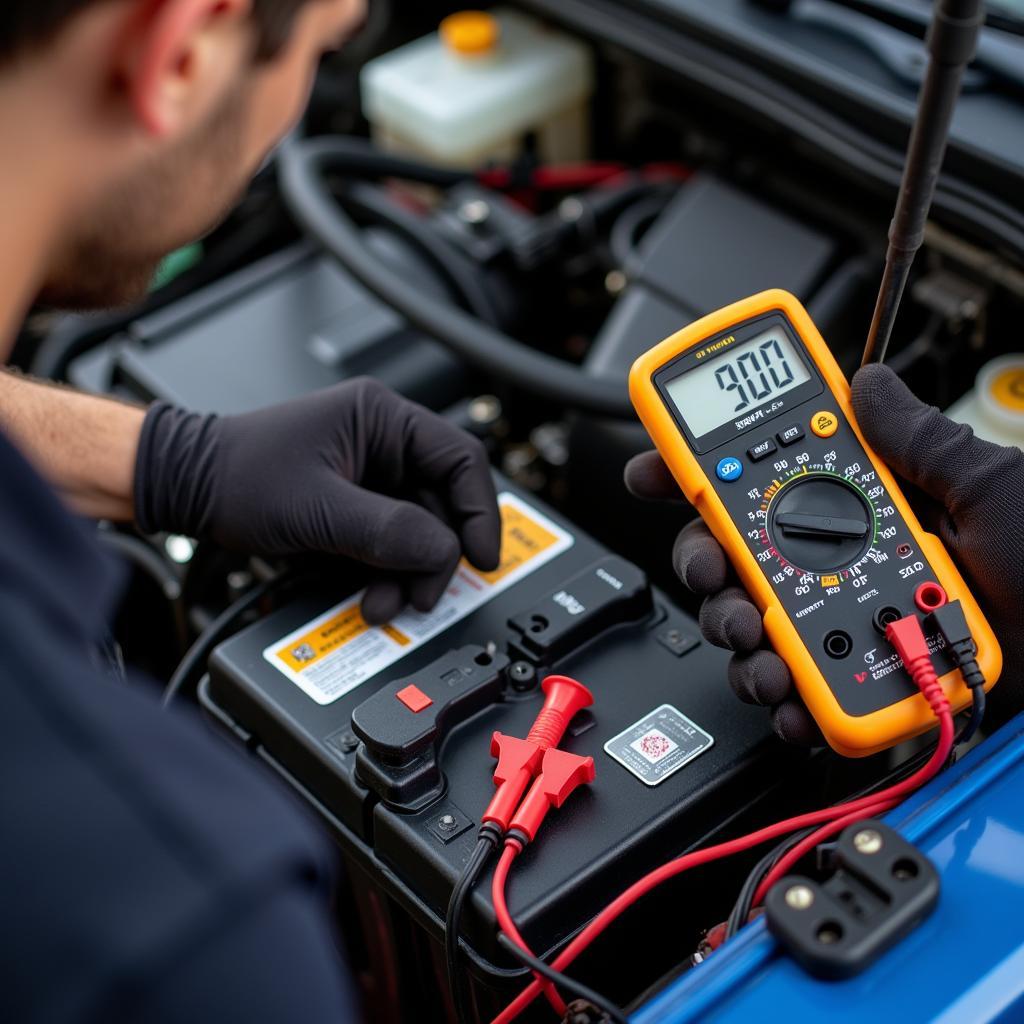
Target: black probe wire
(302,166)
(538,966)
(952,41)
(453,921)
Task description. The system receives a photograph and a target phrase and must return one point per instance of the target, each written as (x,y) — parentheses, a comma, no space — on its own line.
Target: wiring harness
(801,833)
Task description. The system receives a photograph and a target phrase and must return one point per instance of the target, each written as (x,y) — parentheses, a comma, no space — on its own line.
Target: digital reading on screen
(745,378)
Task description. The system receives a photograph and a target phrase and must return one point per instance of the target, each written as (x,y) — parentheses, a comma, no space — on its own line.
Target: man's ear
(180,56)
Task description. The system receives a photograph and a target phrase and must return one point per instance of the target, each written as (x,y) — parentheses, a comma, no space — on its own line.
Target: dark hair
(28,23)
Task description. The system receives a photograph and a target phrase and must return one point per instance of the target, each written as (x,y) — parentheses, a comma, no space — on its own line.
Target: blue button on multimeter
(729,468)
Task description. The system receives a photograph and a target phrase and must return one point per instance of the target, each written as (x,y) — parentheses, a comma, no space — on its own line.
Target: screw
(485,410)
(868,841)
(179,549)
(446,822)
(570,209)
(475,212)
(799,897)
(615,282)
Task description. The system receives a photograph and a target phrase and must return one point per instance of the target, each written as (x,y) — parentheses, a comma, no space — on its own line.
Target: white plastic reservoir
(995,408)
(474,91)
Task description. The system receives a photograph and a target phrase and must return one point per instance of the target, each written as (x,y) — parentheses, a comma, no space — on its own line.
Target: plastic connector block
(882,889)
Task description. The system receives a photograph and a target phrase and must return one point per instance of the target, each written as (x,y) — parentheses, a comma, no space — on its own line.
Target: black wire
(609,1009)
(196,656)
(453,922)
(452,264)
(301,169)
(977,715)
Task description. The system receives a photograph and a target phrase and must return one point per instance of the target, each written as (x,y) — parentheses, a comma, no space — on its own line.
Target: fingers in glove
(385,532)
(730,620)
(793,724)
(699,560)
(647,477)
(943,458)
(454,465)
(383,600)
(760,678)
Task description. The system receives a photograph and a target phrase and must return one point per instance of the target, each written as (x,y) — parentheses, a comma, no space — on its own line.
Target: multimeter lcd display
(741,379)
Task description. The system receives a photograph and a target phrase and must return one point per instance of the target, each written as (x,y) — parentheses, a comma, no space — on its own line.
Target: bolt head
(447,822)
(475,212)
(867,841)
(799,897)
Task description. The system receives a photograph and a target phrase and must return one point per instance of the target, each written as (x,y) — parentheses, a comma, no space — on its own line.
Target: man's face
(186,187)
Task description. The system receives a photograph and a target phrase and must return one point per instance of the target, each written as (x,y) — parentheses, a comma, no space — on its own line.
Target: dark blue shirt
(147,871)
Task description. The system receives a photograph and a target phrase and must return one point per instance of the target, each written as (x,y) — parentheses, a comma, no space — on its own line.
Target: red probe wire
(512,850)
(908,638)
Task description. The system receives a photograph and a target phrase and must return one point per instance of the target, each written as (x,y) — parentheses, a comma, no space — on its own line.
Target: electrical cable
(305,193)
(538,966)
(513,847)
(623,238)
(913,649)
(452,264)
(197,655)
(478,859)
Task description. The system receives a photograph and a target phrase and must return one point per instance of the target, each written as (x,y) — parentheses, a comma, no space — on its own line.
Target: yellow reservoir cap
(471,33)
(1008,388)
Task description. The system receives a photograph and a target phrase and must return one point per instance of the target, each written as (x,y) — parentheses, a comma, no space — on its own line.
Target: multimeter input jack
(884,615)
(929,596)
(838,643)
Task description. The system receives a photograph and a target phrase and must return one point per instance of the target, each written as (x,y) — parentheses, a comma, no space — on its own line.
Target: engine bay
(511,294)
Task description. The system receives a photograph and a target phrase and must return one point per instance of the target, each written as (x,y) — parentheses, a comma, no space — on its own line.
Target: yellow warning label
(522,539)
(830,581)
(338,651)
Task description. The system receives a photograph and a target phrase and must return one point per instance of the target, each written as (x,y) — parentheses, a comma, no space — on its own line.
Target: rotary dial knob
(820,525)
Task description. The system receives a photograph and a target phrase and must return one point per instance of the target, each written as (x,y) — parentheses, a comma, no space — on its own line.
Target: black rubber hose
(302,166)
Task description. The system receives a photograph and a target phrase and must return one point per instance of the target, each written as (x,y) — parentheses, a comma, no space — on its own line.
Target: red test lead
(520,760)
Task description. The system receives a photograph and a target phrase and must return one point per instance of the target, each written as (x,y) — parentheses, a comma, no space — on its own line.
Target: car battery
(387,731)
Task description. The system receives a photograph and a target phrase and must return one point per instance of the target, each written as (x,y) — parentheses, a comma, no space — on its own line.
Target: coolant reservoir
(995,408)
(479,88)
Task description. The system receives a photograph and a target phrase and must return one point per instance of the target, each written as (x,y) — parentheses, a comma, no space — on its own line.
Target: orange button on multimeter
(818,531)
(824,424)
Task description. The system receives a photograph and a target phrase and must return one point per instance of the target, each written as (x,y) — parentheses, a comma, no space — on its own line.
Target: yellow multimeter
(752,415)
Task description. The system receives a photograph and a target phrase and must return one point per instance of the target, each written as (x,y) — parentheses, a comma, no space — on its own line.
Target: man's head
(159,112)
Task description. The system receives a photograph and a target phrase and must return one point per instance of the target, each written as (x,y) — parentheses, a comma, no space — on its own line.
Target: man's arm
(85,446)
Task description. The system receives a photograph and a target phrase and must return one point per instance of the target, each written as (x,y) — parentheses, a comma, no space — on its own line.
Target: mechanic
(968,491)
(149,874)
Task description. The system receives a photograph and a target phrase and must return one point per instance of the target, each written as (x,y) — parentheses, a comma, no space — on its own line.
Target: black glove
(968,491)
(353,470)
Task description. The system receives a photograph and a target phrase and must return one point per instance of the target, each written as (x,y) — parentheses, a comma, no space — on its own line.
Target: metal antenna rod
(952,40)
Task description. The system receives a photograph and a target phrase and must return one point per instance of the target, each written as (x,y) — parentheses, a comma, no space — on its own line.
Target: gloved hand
(968,491)
(353,470)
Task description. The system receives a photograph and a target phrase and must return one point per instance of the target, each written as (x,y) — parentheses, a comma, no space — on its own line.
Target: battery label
(659,744)
(333,654)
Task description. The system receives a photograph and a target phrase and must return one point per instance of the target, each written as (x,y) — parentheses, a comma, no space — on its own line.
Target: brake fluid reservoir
(481,89)
(995,408)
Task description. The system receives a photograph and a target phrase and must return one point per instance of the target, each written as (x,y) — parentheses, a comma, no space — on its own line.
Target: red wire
(852,810)
(508,926)
(808,843)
